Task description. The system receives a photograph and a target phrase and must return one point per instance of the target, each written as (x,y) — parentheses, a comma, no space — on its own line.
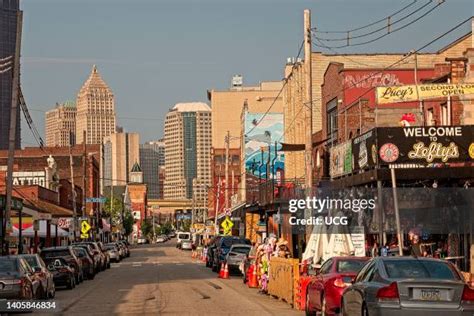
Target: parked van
(182,236)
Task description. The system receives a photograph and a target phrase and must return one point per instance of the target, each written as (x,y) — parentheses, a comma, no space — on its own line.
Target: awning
(235,208)
(29,232)
(46,207)
(299,147)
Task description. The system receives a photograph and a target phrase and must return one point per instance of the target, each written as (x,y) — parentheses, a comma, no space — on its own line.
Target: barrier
(283,279)
(300,297)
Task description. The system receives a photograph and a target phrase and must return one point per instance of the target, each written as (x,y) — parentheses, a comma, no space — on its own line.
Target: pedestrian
(384,250)
(415,247)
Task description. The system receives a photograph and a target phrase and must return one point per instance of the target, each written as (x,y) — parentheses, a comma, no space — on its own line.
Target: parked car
(97,251)
(47,290)
(88,268)
(125,246)
(172,234)
(407,285)
(186,245)
(160,239)
(104,251)
(324,291)
(63,274)
(236,256)
(96,258)
(17,279)
(68,254)
(113,251)
(222,248)
(182,236)
(142,241)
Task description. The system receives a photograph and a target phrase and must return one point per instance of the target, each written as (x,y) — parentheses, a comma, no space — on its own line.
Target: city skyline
(169,70)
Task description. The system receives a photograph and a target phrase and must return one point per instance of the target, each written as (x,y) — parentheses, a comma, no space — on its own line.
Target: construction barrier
(300,298)
(283,279)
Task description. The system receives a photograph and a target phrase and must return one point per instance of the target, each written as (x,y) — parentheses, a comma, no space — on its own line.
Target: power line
(388,26)
(279,92)
(371,24)
(391,32)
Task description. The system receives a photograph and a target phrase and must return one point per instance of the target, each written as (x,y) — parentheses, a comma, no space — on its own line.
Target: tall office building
(152,156)
(120,152)
(95,110)
(187,151)
(60,127)
(10,15)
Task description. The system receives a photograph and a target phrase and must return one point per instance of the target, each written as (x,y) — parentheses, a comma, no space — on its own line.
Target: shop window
(444,114)
(331,115)
(430,117)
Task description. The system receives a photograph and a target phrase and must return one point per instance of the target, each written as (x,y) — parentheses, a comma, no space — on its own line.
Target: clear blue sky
(155,53)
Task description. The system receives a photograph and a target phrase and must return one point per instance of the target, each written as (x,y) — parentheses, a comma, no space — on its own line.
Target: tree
(128,222)
(113,210)
(147,228)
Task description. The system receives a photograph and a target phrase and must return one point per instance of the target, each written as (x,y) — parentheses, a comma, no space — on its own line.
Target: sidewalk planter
(284,279)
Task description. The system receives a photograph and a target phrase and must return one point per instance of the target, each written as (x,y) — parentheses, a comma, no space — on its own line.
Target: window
(326,267)
(444,114)
(430,117)
(332,120)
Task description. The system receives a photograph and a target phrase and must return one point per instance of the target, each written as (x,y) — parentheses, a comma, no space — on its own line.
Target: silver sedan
(405,286)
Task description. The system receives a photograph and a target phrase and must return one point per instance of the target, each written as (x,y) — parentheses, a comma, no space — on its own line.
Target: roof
(136,168)
(191,107)
(95,80)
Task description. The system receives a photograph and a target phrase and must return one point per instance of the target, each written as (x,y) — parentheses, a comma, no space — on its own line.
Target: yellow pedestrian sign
(227,225)
(85,227)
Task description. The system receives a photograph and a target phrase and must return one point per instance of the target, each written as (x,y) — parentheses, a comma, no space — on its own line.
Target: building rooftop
(191,107)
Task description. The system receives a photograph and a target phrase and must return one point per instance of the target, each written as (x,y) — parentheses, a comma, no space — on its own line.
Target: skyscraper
(187,151)
(10,16)
(152,156)
(60,127)
(95,110)
(120,152)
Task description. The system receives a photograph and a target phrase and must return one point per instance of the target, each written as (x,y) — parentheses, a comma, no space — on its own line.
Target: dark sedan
(404,286)
(69,255)
(88,268)
(63,274)
(48,290)
(17,279)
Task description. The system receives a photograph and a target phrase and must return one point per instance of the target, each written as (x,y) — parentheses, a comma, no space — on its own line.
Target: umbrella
(340,241)
(317,244)
(29,232)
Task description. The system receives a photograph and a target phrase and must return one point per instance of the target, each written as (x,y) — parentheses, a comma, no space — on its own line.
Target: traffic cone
(221,272)
(253,281)
(226,272)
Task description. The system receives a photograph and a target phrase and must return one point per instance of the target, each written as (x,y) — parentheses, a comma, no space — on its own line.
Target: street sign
(17,204)
(44,216)
(227,225)
(228,212)
(36,225)
(85,227)
(95,200)
(84,236)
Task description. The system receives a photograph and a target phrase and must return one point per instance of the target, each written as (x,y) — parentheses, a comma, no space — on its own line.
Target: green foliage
(113,210)
(147,228)
(128,223)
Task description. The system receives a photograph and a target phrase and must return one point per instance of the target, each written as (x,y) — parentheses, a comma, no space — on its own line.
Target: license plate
(430,295)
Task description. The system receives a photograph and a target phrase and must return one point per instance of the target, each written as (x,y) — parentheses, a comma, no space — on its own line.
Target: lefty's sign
(411,93)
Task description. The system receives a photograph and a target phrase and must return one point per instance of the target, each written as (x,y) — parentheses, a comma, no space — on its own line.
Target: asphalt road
(161,280)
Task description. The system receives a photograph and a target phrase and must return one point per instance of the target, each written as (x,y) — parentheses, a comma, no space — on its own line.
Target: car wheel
(70,285)
(52,294)
(214,268)
(308,312)
(341,310)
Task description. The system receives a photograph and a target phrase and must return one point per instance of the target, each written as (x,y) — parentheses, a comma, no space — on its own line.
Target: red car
(324,291)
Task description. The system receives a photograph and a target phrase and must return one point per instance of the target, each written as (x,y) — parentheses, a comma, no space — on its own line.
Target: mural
(263,135)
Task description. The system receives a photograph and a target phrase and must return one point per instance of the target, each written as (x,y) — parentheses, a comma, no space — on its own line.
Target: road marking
(136,265)
(180,264)
(203,296)
(124,290)
(217,287)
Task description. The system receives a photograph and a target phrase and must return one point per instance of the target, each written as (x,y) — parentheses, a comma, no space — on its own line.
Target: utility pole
(227,144)
(307,102)
(84,171)
(12,132)
(74,215)
(217,209)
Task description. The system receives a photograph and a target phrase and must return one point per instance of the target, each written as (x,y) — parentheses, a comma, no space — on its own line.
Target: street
(160,279)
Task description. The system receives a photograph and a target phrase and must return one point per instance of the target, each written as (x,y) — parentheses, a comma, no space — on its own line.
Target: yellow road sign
(227,225)
(84,236)
(85,227)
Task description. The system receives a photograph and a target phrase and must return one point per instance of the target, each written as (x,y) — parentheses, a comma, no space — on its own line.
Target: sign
(85,227)
(341,159)
(227,225)
(228,212)
(364,151)
(84,236)
(410,93)
(36,225)
(358,241)
(65,222)
(17,203)
(425,145)
(42,216)
(29,178)
(95,200)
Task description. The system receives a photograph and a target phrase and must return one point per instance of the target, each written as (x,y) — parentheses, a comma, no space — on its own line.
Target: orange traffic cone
(253,282)
(221,272)
(226,272)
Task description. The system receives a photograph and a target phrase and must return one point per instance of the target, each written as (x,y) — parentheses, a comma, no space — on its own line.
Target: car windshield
(348,266)
(420,269)
(110,247)
(244,250)
(32,261)
(184,236)
(228,242)
(7,265)
(55,253)
(81,252)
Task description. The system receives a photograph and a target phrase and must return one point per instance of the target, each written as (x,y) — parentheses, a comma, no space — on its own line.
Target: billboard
(411,93)
(364,150)
(341,159)
(261,132)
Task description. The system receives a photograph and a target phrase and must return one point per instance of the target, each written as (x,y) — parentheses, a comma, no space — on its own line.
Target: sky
(155,53)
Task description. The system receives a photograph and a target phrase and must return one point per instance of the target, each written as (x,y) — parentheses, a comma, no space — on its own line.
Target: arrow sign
(85,227)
